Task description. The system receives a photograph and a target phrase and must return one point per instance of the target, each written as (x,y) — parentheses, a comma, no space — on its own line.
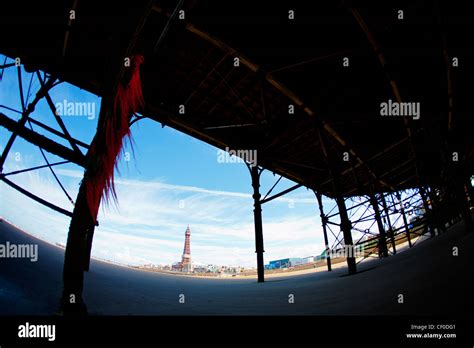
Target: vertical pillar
(324,223)
(257,214)
(469,203)
(346,227)
(389,223)
(76,255)
(404,218)
(382,238)
(81,231)
(428,214)
(462,198)
(438,214)
(470,191)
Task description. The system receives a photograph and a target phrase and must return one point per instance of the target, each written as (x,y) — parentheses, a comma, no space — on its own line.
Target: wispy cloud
(149,223)
(190,189)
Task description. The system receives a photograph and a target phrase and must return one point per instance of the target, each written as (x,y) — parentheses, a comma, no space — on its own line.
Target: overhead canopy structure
(240,67)
(342,98)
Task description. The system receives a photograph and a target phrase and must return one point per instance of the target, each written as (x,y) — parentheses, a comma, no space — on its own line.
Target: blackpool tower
(186,265)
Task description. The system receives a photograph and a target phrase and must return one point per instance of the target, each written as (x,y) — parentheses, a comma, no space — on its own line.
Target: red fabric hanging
(128,100)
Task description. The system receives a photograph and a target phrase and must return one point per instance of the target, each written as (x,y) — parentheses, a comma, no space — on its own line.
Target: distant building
(185,265)
(176,267)
(213,268)
(297,261)
(199,269)
(322,256)
(186,258)
(286,263)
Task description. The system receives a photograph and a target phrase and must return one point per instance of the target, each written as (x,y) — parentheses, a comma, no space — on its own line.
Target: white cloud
(156,185)
(149,223)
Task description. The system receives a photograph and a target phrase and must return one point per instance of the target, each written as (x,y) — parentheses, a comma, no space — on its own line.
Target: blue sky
(172,181)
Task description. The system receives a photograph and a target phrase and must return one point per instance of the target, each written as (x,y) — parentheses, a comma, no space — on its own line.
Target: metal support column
(346,227)
(76,258)
(257,214)
(404,218)
(324,223)
(383,251)
(438,218)
(81,229)
(470,191)
(462,197)
(389,223)
(428,212)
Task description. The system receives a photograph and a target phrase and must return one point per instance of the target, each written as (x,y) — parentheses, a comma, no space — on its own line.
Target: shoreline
(281,274)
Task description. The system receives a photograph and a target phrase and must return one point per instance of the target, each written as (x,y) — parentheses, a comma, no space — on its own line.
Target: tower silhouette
(186,265)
